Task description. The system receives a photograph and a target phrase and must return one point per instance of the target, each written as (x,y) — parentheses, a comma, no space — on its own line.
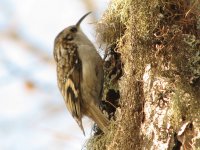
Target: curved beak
(80,20)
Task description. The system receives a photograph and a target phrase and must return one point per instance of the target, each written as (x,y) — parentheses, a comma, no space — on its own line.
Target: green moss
(165,34)
(113,23)
(100,142)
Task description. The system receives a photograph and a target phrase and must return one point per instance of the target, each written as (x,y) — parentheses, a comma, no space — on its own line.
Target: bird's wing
(69,79)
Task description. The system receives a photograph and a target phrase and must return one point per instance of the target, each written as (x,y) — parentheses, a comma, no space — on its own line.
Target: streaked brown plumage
(80,75)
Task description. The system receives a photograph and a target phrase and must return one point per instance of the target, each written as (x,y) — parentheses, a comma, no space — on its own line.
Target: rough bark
(159,43)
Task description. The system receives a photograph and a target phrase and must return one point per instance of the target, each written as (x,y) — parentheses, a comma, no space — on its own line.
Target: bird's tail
(98,117)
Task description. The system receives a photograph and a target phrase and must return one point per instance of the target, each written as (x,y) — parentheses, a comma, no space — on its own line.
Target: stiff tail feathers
(79,121)
(98,117)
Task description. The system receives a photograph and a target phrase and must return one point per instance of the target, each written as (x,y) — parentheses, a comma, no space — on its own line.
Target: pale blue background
(32,112)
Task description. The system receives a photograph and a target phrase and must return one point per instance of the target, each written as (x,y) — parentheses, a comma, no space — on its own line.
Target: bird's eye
(68,37)
(73,29)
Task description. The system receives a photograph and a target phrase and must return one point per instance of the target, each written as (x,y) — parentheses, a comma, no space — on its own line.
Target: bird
(80,75)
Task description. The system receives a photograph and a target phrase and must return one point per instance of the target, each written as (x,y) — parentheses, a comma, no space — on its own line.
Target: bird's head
(72,33)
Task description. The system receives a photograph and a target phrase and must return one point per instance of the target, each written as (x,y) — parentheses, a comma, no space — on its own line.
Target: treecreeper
(80,75)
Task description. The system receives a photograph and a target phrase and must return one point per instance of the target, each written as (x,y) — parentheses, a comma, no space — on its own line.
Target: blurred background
(32,112)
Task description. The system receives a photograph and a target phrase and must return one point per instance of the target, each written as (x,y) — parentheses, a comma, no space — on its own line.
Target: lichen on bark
(159,43)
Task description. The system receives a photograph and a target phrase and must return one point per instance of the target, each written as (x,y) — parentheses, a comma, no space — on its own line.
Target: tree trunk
(159,46)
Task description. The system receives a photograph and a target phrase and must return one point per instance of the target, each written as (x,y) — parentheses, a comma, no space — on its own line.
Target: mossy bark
(159,42)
